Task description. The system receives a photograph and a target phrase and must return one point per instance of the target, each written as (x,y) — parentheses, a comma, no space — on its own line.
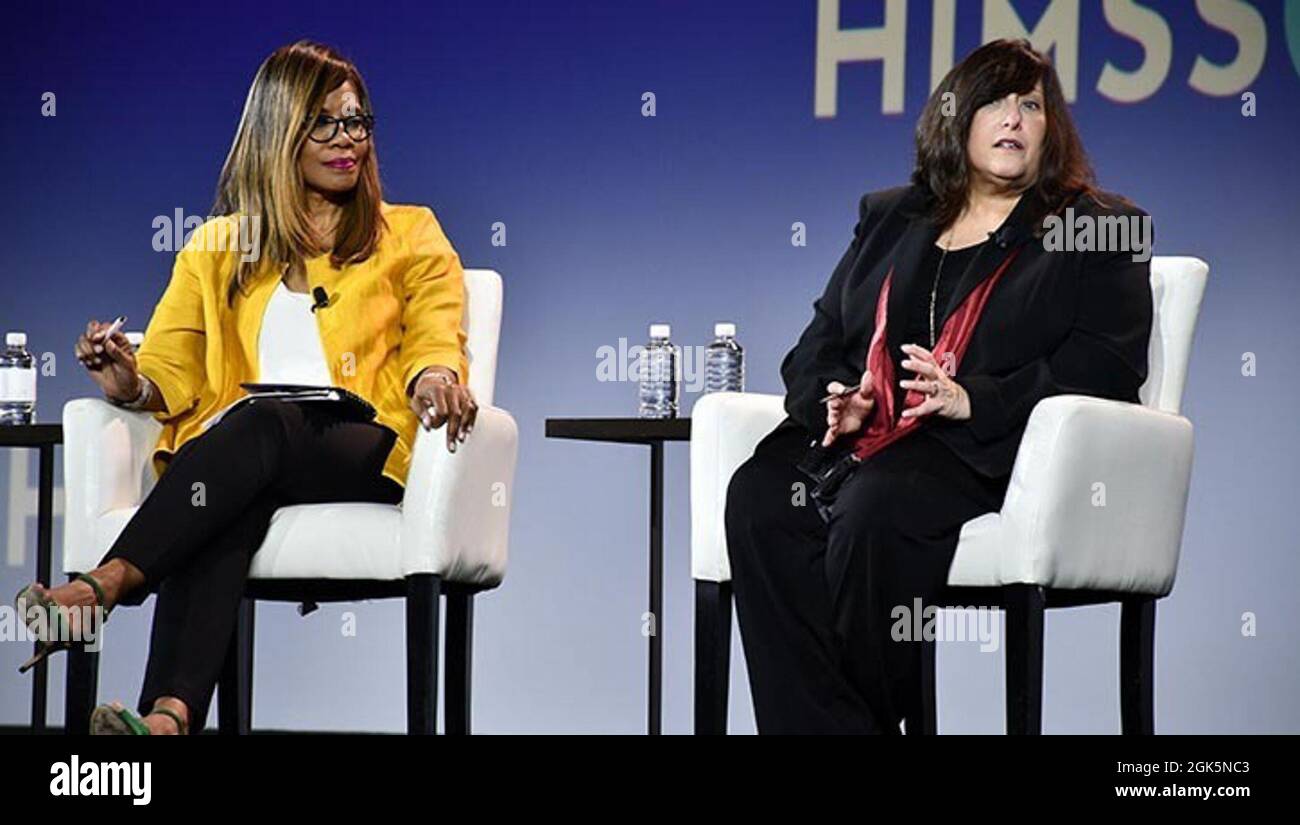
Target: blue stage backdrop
(766,116)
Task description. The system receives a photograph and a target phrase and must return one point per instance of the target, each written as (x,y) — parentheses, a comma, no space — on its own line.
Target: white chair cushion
(345,540)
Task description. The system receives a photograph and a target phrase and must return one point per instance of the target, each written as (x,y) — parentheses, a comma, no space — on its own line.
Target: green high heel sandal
(52,617)
(115,719)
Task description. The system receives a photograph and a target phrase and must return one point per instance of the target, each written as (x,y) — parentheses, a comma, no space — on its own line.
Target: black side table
(43,437)
(653,432)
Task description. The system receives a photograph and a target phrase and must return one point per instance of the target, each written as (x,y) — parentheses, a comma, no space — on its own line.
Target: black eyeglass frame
(366,121)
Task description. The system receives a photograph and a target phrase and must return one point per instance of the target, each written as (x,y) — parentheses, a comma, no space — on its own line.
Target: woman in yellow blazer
(306,277)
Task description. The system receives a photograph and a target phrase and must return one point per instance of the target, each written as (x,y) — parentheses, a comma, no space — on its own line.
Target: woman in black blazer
(966,305)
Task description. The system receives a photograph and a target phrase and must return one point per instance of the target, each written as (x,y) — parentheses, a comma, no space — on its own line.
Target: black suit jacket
(1058,322)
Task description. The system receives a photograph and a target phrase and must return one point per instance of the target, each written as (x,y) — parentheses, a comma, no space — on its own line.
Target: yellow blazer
(390,317)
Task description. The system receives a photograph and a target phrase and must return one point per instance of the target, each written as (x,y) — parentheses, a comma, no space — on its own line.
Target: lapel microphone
(1004,236)
(322,298)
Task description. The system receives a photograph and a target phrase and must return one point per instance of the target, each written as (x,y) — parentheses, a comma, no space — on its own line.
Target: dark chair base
(1025,606)
(235,688)
(712,655)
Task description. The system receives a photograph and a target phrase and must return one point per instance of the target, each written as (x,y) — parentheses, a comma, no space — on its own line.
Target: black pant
(814,598)
(195,534)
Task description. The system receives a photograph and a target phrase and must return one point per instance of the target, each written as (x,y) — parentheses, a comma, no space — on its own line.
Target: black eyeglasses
(357,127)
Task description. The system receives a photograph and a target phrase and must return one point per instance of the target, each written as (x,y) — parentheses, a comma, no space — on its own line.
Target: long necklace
(934,292)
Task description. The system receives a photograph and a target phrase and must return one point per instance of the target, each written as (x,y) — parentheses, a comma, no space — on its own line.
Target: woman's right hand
(847,414)
(111,362)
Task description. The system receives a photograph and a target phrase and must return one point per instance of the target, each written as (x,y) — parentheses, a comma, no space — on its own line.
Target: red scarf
(881,430)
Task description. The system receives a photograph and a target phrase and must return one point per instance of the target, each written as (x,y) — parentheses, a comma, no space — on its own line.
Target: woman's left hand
(944,396)
(439,398)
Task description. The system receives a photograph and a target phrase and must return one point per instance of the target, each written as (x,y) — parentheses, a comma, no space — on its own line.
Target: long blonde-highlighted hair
(261,176)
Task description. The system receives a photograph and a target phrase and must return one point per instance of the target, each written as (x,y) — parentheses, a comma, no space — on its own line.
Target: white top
(289,350)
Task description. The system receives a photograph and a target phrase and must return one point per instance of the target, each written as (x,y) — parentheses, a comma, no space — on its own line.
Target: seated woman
(952,314)
(302,173)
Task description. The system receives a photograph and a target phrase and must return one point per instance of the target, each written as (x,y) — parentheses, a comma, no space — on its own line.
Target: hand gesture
(945,397)
(438,398)
(847,413)
(110,362)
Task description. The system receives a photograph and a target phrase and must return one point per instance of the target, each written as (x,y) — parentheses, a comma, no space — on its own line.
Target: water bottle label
(17,385)
(658,371)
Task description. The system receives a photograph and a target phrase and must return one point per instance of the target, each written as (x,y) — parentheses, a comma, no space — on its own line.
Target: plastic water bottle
(724,361)
(658,374)
(17,381)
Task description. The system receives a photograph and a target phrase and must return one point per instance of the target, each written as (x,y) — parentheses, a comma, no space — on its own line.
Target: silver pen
(847,391)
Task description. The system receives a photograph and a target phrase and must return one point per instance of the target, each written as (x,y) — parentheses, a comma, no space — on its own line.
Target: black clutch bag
(829,468)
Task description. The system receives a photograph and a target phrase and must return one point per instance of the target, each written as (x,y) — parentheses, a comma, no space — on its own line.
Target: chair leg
(1024,604)
(1137,635)
(235,688)
(82,690)
(927,721)
(81,686)
(422,592)
(712,655)
(460,659)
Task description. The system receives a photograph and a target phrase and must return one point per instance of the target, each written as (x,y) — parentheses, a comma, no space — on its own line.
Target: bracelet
(446,379)
(141,399)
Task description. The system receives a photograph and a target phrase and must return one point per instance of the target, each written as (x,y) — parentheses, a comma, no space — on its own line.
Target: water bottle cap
(660,330)
(16,339)
(723,330)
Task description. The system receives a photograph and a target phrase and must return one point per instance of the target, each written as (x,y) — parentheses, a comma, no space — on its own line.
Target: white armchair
(1048,546)
(447,537)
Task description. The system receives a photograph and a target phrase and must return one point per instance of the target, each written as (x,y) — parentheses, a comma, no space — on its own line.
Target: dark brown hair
(991,72)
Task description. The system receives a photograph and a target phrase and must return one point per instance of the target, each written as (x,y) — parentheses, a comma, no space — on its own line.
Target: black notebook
(345,404)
